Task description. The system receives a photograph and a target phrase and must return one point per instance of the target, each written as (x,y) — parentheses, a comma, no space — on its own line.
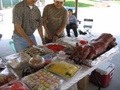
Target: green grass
(87,3)
(71,3)
(117,2)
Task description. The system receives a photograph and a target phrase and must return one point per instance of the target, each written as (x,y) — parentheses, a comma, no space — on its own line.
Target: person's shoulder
(36,7)
(20,4)
(63,10)
(49,5)
(74,16)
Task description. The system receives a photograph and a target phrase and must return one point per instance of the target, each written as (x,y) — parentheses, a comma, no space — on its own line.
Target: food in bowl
(36,62)
(56,47)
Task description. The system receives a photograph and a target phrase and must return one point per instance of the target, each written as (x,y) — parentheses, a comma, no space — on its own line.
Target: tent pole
(76,7)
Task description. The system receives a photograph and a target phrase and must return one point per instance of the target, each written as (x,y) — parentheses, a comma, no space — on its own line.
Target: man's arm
(64,23)
(61,29)
(23,34)
(46,28)
(40,31)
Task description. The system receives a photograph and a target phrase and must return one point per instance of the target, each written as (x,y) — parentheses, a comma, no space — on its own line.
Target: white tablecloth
(86,70)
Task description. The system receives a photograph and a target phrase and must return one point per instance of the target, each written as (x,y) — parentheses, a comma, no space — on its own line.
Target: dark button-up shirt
(29,19)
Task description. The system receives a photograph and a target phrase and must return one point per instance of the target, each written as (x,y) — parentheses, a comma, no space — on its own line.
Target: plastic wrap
(64,69)
(7,76)
(18,60)
(106,55)
(43,80)
(2,64)
(17,85)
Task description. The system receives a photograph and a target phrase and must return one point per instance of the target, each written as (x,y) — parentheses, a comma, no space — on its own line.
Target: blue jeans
(20,43)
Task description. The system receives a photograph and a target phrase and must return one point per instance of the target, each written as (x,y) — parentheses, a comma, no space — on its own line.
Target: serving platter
(17,85)
(18,59)
(43,80)
(55,47)
(108,54)
(63,69)
(7,76)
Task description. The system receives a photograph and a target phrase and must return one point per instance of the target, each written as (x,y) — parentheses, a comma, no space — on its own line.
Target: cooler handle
(111,74)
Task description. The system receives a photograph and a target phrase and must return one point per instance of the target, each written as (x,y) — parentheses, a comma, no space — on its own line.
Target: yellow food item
(63,68)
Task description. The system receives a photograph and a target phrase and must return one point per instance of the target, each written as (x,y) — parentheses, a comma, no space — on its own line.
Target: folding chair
(87,26)
(0,36)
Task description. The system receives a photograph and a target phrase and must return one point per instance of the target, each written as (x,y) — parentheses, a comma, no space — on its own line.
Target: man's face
(58,4)
(31,2)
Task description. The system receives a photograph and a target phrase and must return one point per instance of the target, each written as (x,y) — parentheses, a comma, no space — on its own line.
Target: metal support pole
(11,1)
(76,7)
(1,5)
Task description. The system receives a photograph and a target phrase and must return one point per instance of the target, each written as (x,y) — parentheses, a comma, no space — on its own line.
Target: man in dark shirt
(26,19)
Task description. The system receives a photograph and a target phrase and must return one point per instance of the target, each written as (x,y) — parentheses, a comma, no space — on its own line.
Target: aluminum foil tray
(107,55)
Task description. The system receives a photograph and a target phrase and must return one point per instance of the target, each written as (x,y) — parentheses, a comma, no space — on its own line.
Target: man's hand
(43,41)
(55,38)
(31,43)
(49,36)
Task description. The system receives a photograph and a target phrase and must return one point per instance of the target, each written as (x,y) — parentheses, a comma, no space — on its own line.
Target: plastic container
(17,85)
(7,76)
(36,62)
(104,73)
(48,59)
(43,80)
(2,64)
(55,47)
(32,51)
(18,60)
(62,55)
(63,68)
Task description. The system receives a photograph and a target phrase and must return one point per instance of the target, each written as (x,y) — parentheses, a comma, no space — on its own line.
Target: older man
(55,20)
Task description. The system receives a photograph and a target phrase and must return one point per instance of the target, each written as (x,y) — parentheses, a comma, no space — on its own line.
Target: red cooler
(104,73)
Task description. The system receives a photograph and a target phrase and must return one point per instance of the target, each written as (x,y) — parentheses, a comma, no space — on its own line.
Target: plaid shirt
(29,19)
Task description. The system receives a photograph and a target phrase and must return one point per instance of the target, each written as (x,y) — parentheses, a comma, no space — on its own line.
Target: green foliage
(117,2)
(87,3)
(72,4)
(93,0)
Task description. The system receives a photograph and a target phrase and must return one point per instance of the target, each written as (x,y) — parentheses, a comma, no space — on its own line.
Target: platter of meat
(96,50)
(7,76)
(109,54)
(37,50)
(34,51)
